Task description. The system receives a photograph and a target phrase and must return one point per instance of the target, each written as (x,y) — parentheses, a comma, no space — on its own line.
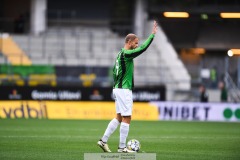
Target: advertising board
(72,110)
(145,94)
(194,111)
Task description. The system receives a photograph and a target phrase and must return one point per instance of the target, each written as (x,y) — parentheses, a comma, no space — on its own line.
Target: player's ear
(129,43)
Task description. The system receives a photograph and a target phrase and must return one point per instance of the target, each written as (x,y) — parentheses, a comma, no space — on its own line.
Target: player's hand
(155,26)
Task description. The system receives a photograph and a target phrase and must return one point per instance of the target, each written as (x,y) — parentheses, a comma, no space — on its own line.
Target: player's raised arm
(137,51)
(155,27)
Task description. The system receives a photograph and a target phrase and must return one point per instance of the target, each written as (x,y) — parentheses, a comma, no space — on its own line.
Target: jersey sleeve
(139,50)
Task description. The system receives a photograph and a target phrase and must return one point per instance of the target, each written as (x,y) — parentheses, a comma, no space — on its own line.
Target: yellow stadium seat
(13,52)
(15,79)
(87,79)
(42,79)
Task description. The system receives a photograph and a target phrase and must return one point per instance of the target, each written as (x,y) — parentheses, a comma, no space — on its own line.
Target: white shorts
(123,101)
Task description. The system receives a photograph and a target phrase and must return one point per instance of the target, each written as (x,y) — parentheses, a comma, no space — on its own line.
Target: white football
(133,145)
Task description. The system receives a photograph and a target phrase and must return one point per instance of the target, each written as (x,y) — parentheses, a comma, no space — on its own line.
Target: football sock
(124,129)
(112,126)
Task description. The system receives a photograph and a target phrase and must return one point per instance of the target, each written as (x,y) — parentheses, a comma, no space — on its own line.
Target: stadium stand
(61,46)
(98,46)
(6,79)
(81,35)
(33,75)
(45,79)
(13,52)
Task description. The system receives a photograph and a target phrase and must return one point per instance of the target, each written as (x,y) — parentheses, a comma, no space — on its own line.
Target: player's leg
(119,117)
(126,112)
(124,129)
(112,126)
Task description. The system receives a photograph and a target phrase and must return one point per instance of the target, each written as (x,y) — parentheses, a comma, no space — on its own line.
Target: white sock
(112,126)
(124,129)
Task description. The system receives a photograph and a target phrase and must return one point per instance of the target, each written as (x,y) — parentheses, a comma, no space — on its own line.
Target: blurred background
(55,44)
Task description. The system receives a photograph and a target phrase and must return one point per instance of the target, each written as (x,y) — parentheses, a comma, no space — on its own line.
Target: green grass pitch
(69,139)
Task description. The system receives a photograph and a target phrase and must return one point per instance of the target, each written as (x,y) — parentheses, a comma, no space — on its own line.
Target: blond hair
(130,37)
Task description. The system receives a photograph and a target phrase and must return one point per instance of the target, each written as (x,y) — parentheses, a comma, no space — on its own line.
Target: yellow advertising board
(22,109)
(72,110)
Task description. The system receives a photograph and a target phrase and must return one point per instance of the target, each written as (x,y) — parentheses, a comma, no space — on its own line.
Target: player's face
(134,43)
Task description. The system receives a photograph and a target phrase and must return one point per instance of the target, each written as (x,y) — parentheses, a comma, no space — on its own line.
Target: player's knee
(126,119)
(119,118)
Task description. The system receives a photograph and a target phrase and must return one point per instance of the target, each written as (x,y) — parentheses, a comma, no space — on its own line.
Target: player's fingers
(155,24)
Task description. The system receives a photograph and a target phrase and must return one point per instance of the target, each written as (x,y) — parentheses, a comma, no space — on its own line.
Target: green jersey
(123,69)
